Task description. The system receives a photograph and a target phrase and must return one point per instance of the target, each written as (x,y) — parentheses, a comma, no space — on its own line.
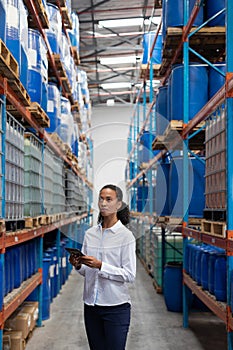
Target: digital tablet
(74,251)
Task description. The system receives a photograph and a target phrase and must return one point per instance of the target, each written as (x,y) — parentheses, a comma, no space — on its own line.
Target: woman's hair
(123,212)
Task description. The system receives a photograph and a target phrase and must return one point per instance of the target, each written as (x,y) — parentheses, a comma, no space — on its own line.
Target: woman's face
(108,202)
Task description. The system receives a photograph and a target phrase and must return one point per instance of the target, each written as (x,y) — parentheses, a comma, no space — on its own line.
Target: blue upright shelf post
(185,153)
(58,246)
(229,159)
(2,256)
(40,288)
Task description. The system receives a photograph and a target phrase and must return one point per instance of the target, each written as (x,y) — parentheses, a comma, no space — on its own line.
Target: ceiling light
(116,85)
(110,102)
(126,22)
(118,60)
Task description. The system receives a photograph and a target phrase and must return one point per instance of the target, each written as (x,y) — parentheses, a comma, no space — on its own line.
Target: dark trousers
(107,326)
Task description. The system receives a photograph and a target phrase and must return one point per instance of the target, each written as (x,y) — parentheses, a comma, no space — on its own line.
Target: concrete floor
(152,326)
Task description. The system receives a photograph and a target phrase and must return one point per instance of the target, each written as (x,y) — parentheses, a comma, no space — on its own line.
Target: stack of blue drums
(207,266)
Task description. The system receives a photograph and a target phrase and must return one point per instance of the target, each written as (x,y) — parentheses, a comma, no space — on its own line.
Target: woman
(108,265)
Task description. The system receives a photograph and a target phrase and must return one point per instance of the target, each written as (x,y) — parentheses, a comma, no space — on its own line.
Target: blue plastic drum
(13,28)
(212,8)
(173,286)
(198,90)
(3,20)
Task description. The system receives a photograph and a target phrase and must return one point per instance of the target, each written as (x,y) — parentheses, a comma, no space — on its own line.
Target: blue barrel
(198,265)
(53,107)
(23,45)
(55,27)
(50,253)
(145,149)
(74,33)
(212,8)
(142,197)
(195,262)
(220,278)
(174,13)
(148,39)
(34,64)
(211,270)
(13,28)
(3,20)
(216,79)
(56,271)
(173,286)
(18,268)
(161,110)
(198,90)
(44,74)
(46,292)
(204,268)
(65,130)
(162,190)
(196,187)
(7,273)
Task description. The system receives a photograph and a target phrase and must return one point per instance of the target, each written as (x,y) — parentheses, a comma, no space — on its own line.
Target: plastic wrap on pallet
(54,33)
(65,52)
(12,28)
(3,21)
(14,176)
(23,44)
(65,130)
(74,32)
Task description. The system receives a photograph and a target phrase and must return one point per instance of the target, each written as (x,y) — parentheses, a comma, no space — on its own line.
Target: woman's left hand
(91,261)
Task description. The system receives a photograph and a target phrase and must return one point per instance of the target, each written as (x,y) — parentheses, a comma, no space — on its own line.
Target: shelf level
(17,296)
(218,308)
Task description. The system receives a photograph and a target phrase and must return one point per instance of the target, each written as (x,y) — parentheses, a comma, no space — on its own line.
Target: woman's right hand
(75,261)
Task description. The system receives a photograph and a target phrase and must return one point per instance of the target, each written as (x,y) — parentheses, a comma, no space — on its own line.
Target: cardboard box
(31,308)
(19,321)
(13,339)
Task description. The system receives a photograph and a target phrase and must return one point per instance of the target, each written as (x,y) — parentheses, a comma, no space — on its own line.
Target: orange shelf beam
(25,290)
(218,308)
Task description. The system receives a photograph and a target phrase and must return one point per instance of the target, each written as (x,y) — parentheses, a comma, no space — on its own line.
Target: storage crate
(32,175)
(14,171)
(58,186)
(215,171)
(48,180)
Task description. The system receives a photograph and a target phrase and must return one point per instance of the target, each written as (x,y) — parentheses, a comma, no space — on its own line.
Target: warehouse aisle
(152,327)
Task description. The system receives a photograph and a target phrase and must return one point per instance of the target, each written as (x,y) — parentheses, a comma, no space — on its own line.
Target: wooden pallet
(39,115)
(213,228)
(62,73)
(20,91)
(208,41)
(9,67)
(31,222)
(75,55)
(66,18)
(175,128)
(145,73)
(41,11)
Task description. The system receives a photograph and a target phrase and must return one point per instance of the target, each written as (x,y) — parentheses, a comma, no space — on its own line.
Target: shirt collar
(114,228)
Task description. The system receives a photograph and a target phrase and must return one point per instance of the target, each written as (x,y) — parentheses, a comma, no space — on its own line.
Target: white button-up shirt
(115,247)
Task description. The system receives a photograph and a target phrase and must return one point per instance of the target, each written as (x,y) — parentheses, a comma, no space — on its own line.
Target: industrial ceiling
(99,42)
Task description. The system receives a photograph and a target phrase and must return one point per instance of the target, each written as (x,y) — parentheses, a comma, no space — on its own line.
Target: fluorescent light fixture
(116,85)
(128,22)
(110,102)
(118,60)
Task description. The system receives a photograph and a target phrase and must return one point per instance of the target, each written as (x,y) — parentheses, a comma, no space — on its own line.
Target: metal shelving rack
(73,222)
(225,94)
